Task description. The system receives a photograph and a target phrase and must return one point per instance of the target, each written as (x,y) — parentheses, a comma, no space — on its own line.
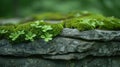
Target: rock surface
(96,35)
(10,21)
(72,48)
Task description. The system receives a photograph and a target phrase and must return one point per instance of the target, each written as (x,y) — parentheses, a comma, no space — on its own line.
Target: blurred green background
(22,8)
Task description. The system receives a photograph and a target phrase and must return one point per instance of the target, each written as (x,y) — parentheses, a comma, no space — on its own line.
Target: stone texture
(97,35)
(72,48)
(10,21)
(39,62)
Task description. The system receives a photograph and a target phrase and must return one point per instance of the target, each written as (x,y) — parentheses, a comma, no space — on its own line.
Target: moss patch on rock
(43,30)
(93,22)
(30,31)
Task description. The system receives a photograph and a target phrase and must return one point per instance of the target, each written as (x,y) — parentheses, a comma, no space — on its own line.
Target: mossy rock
(82,23)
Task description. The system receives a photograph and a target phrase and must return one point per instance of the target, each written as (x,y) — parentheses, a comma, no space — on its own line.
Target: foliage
(30,36)
(43,30)
(30,31)
(46,28)
(93,22)
(3,31)
(47,37)
(15,35)
(37,24)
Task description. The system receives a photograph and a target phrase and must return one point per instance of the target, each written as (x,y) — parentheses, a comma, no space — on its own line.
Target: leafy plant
(30,36)
(15,35)
(47,37)
(3,31)
(45,28)
(91,22)
(36,24)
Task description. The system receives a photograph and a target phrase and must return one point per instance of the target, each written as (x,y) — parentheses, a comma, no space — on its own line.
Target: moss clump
(57,28)
(93,22)
(77,23)
(9,30)
(110,23)
(30,31)
(49,16)
(58,16)
(77,14)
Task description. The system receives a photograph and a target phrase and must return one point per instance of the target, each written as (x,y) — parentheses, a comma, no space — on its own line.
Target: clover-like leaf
(21,32)
(3,31)
(15,35)
(93,22)
(36,24)
(41,21)
(30,36)
(46,28)
(47,37)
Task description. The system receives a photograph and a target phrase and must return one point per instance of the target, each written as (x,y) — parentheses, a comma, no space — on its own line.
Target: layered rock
(72,48)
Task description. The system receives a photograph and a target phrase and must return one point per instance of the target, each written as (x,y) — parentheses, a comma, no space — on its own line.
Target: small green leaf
(15,35)
(36,24)
(47,37)
(3,31)
(41,21)
(30,36)
(45,28)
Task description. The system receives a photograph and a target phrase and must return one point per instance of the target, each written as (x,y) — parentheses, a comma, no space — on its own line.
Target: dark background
(22,8)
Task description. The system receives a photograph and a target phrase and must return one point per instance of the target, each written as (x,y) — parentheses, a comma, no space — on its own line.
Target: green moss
(76,23)
(93,22)
(37,30)
(57,28)
(9,30)
(77,14)
(29,32)
(110,23)
(59,16)
(49,16)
